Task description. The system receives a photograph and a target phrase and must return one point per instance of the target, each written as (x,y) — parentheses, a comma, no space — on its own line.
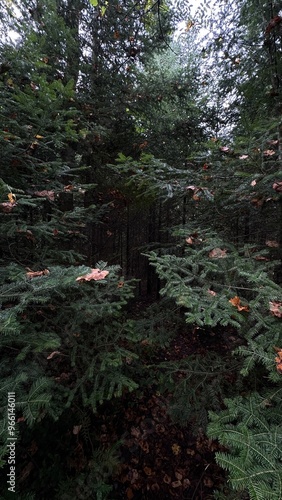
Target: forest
(141,249)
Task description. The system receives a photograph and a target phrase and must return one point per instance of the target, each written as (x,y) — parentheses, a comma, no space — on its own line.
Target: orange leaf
(96,274)
(236,302)
(278,359)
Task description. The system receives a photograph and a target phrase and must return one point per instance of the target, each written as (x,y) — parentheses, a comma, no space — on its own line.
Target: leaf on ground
(176,449)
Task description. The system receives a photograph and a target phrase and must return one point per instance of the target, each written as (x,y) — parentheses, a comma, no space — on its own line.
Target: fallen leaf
(12,198)
(276,309)
(39,136)
(176,484)
(278,360)
(35,274)
(236,302)
(211,292)
(269,152)
(95,274)
(217,253)
(272,243)
(176,449)
(68,188)
(129,494)
(189,25)
(148,471)
(253,183)
(243,157)
(260,257)
(277,186)
(224,149)
(45,194)
(7,207)
(167,479)
(53,354)
(76,429)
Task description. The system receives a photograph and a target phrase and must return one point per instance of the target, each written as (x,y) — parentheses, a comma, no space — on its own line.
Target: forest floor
(159,458)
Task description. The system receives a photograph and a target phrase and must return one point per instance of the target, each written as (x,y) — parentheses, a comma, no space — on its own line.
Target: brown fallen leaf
(95,274)
(218,253)
(176,484)
(35,274)
(277,186)
(76,429)
(53,354)
(276,309)
(236,302)
(272,243)
(7,206)
(176,449)
(50,195)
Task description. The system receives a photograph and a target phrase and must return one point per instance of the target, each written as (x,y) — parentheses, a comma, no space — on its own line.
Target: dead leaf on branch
(272,243)
(50,195)
(218,253)
(53,354)
(236,302)
(76,429)
(276,309)
(95,274)
(277,186)
(7,207)
(269,152)
(35,274)
(278,359)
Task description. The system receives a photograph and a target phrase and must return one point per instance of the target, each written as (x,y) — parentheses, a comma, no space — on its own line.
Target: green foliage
(251,431)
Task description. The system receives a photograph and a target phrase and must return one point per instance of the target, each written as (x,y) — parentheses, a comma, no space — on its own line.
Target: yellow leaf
(39,136)
(189,25)
(12,198)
